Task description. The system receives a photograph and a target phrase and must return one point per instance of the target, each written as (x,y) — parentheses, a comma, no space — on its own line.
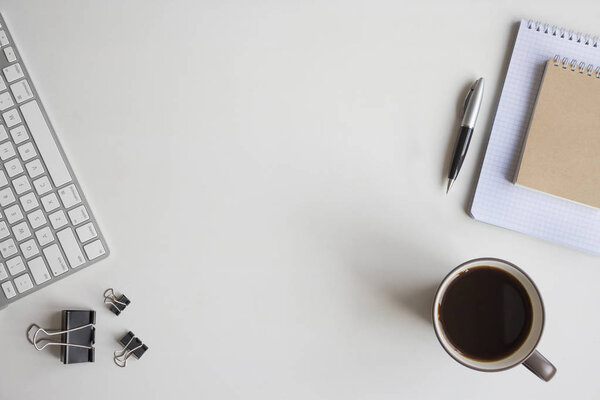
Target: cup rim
(442,341)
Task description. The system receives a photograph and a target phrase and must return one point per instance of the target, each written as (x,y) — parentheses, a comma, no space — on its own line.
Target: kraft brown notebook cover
(561,155)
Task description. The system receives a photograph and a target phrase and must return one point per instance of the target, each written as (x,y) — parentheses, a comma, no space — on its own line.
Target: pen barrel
(460,151)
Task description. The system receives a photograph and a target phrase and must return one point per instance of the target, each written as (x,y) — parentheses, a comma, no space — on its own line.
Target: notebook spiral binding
(589,70)
(554,30)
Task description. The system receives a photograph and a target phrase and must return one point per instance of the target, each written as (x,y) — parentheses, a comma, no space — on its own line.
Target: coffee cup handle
(539,365)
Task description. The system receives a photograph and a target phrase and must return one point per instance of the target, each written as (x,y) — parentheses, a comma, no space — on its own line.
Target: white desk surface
(270,177)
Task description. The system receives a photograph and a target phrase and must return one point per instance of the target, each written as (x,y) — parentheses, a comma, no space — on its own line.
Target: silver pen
(470,112)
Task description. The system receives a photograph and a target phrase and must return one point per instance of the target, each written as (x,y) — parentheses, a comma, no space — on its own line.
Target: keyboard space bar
(45,142)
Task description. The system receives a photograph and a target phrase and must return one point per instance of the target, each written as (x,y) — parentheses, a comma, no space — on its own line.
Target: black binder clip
(131,346)
(116,304)
(77,336)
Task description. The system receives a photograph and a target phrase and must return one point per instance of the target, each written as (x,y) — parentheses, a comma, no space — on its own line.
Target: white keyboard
(47,230)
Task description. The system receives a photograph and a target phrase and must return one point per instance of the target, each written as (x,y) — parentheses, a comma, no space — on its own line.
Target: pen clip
(468,99)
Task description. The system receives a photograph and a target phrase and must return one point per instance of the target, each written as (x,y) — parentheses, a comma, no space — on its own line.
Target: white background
(270,178)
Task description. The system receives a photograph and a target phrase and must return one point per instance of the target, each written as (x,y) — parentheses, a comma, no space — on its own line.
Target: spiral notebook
(561,155)
(497,200)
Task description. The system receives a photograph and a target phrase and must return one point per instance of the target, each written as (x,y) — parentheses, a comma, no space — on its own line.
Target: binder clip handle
(36,342)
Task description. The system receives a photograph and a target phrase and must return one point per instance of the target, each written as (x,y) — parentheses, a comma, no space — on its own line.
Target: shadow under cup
(527,344)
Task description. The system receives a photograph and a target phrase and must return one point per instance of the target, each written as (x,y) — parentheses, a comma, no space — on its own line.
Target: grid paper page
(497,200)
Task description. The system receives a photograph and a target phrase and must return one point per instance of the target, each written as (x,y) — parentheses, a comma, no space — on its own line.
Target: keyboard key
(13,167)
(78,215)
(58,265)
(34,168)
(50,202)
(23,283)
(29,248)
(38,269)
(3,38)
(13,214)
(9,52)
(29,202)
(4,232)
(3,135)
(13,72)
(71,248)
(86,232)
(9,290)
(36,219)
(21,184)
(7,151)
(94,249)
(12,117)
(21,231)
(42,185)
(3,273)
(69,196)
(27,151)
(6,197)
(8,248)
(45,143)
(6,101)
(15,265)
(44,236)
(3,86)
(19,134)
(58,219)
(21,91)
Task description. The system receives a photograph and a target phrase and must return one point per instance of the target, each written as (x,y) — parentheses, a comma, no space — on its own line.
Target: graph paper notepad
(561,154)
(497,200)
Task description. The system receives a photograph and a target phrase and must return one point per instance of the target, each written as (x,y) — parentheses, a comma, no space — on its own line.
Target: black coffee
(486,313)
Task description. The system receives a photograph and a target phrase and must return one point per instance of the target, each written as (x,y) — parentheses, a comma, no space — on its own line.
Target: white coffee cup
(526,354)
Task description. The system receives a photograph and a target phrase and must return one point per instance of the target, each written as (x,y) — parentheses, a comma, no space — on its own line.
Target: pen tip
(450,183)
